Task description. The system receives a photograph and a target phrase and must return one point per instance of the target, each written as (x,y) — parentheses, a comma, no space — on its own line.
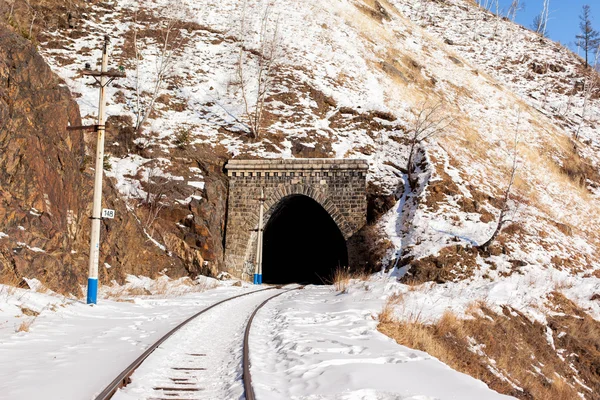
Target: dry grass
(122,293)
(369,27)
(519,348)
(388,314)
(342,277)
(468,139)
(25,325)
(161,287)
(569,173)
(49,283)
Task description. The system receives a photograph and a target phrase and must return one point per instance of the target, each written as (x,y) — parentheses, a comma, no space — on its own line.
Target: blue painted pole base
(258,279)
(92,290)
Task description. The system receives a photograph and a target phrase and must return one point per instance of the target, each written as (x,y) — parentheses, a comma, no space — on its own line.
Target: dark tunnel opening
(302,243)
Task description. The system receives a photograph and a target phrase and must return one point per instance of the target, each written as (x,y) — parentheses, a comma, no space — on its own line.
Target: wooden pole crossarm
(111,74)
(93,128)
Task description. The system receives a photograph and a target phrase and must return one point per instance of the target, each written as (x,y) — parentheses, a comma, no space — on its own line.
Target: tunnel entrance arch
(302,243)
(338,186)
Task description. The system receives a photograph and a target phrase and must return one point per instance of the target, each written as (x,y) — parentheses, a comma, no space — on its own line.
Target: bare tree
(513,10)
(33,17)
(589,39)
(498,16)
(169,41)
(484,4)
(540,22)
(545,16)
(538,25)
(429,120)
(506,197)
(156,188)
(255,71)
(15,16)
(590,87)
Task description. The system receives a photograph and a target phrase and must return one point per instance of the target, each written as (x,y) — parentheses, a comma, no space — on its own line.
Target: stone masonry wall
(338,185)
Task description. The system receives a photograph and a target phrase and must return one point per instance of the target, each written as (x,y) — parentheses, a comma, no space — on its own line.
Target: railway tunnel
(302,243)
(312,207)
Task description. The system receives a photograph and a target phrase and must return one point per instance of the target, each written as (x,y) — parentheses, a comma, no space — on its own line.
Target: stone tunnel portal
(302,243)
(312,207)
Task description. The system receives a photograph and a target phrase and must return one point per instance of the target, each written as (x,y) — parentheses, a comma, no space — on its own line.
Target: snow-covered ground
(318,344)
(209,346)
(309,344)
(526,292)
(73,350)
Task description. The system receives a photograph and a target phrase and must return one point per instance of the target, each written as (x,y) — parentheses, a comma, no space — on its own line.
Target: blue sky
(563,24)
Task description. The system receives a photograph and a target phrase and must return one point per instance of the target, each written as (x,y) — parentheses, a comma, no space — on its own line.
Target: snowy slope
(543,73)
(350,76)
(349,79)
(340,70)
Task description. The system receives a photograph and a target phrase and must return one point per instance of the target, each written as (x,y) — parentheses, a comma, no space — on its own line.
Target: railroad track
(181,365)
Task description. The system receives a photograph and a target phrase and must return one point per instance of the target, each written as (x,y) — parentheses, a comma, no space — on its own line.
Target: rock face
(46,185)
(40,178)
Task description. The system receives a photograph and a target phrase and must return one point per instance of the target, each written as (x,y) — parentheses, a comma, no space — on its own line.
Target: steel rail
(124,377)
(246,377)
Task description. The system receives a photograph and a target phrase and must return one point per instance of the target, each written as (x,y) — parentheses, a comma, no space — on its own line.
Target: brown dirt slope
(511,353)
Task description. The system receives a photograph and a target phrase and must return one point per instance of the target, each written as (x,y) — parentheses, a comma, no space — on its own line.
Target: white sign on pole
(106,213)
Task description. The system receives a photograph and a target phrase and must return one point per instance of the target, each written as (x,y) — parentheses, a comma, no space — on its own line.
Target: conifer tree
(589,39)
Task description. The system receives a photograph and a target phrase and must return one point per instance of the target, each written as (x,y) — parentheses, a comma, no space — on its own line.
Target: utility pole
(259,242)
(105,78)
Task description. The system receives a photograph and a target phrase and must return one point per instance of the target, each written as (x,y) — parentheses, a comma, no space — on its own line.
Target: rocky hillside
(347,79)
(46,181)
(211,80)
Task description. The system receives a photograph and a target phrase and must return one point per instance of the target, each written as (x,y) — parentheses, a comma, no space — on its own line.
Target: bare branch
(513,10)
(155,193)
(429,121)
(264,59)
(504,209)
(170,42)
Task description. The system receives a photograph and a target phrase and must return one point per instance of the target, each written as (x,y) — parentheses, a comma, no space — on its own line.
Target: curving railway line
(204,357)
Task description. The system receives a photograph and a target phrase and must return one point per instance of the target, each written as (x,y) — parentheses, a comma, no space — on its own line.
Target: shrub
(182,138)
